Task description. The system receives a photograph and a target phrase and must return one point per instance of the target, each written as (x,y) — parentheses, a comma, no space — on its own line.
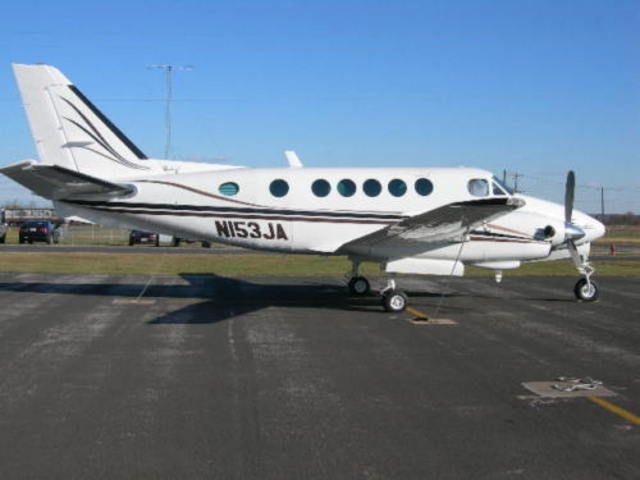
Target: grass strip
(250,265)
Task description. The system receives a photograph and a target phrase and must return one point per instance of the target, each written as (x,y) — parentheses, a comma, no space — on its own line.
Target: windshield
(498,185)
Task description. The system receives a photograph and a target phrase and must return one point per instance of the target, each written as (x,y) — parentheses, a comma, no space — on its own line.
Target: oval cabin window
(372,187)
(346,187)
(229,189)
(279,188)
(321,188)
(423,187)
(397,187)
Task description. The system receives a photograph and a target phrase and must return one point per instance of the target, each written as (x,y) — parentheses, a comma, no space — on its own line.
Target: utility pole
(602,204)
(168,71)
(516,176)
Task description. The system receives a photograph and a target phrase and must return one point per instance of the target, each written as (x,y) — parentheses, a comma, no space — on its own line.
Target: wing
(447,224)
(55,182)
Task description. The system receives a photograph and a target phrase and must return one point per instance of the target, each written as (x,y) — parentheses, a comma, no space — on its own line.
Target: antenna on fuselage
(292,158)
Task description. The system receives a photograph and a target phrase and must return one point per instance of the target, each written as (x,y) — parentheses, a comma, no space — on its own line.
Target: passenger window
(321,188)
(346,187)
(397,187)
(279,188)
(478,187)
(229,189)
(423,187)
(372,187)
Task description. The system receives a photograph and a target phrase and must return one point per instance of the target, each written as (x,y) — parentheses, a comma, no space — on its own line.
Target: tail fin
(70,131)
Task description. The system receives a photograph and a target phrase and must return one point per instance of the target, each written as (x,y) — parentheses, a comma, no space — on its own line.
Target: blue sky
(536,87)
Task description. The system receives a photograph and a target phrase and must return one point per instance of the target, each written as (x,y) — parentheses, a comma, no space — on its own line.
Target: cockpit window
(478,187)
(497,190)
(500,184)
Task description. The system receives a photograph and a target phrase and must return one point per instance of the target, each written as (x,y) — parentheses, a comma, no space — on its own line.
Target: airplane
(426,221)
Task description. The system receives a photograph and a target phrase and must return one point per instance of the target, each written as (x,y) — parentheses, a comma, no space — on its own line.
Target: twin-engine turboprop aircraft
(429,221)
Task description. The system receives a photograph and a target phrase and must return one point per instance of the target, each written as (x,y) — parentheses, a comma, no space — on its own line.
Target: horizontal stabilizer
(56,183)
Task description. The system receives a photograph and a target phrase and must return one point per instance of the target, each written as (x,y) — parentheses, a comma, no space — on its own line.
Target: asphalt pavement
(202,376)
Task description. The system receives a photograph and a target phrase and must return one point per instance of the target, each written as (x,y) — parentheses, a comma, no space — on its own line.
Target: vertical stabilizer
(70,131)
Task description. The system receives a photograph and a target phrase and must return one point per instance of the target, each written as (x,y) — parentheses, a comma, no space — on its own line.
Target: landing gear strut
(585,288)
(393,300)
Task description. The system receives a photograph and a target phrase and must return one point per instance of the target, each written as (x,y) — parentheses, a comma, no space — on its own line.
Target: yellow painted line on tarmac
(421,318)
(417,313)
(613,408)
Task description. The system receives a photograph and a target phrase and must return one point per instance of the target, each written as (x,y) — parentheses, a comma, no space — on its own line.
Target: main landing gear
(393,300)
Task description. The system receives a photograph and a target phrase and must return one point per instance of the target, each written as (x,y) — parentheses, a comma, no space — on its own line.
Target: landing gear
(586,290)
(394,300)
(359,286)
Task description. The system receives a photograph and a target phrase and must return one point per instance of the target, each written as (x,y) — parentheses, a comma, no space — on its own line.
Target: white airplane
(430,221)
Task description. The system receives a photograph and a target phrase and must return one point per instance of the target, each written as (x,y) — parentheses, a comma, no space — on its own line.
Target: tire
(206,244)
(131,243)
(20,240)
(158,241)
(359,286)
(582,291)
(176,242)
(30,241)
(395,301)
(3,238)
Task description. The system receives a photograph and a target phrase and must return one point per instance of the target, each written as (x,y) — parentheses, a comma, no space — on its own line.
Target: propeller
(569,194)
(571,232)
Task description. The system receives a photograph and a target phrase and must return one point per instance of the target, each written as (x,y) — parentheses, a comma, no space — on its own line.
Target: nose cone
(593,229)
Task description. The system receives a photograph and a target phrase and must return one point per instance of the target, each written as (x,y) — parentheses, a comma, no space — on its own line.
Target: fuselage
(322,210)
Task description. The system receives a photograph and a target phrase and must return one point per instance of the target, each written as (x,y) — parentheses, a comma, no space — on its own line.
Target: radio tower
(168,71)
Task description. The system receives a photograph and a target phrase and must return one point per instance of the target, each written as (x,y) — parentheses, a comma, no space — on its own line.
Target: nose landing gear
(585,288)
(394,300)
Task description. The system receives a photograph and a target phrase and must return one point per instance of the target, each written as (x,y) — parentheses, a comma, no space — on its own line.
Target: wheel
(176,242)
(30,241)
(131,242)
(585,291)
(20,240)
(359,286)
(395,301)
(206,244)
(158,241)
(3,238)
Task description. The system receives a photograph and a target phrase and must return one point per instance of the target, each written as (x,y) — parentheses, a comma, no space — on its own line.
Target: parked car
(138,236)
(39,231)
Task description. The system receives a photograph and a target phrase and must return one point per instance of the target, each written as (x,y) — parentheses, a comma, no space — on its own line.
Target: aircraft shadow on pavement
(223,297)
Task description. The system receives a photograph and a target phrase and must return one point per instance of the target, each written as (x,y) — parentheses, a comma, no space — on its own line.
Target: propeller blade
(569,194)
(575,256)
